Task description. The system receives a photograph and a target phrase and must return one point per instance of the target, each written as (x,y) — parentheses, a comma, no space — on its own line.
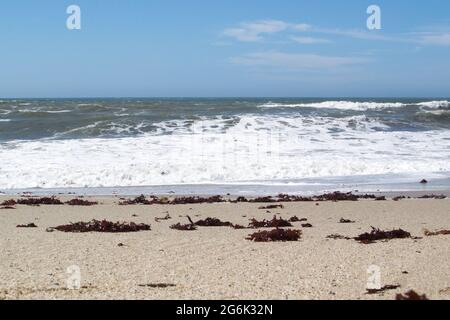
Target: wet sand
(218,262)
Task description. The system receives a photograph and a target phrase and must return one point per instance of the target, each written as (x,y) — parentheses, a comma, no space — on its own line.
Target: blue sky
(224,48)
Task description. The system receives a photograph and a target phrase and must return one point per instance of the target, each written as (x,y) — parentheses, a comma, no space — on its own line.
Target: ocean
(198,144)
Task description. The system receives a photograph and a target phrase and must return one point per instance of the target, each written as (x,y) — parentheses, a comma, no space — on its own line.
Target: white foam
(341,105)
(254,148)
(435,104)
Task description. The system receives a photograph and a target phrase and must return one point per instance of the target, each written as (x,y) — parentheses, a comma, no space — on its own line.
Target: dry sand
(218,263)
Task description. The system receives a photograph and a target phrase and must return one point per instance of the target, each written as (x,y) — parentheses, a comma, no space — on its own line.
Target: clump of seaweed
(346,221)
(382,198)
(39,201)
(273,206)
(383,289)
(307,225)
(8,203)
(429,233)
(185,227)
(411,295)
(282,235)
(80,202)
(213,222)
(338,237)
(433,196)
(377,234)
(274,223)
(167,217)
(29,225)
(297,219)
(398,198)
(238,226)
(138,200)
(103,226)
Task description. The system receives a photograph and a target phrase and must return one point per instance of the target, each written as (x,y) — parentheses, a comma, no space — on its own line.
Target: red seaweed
(411,295)
(346,221)
(383,289)
(377,234)
(80,202)
(103,226)
(275,235)
(8,203)
(274,223)
(436,233)
(29,225)
(213,222)
(39,201)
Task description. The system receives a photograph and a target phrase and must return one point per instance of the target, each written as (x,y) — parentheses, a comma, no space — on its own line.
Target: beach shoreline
(218,262)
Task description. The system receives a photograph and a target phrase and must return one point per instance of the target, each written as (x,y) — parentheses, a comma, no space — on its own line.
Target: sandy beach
(218,262)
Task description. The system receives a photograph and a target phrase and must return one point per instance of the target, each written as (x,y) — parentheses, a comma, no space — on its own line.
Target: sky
(233,48)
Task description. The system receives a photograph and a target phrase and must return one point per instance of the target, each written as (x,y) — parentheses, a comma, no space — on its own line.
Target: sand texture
(218,262)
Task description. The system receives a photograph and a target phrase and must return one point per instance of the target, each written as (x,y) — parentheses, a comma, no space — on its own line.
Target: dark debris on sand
(213,222)
(102,226)
(411,295)
(29,225)
(338,237)
(157,285)
(377,234)
(297,219)
(40,201)
(346,221)
(185,227)
(429,233)
(383,289)
(273,206)
(274,223)
(80,202)
(167,217)
(282,235)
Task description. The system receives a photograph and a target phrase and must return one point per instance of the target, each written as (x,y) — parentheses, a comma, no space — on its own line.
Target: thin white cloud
(295,61)
(251,32)
(440,39)
(310,40)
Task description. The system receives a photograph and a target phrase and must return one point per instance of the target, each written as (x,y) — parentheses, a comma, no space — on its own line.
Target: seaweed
(307,225)
(7,208)
(338,237)
(167,217)
(102,226)
(8,203)
(346,221)
(138,200)
(382,198)
(238,226)
(411,295)
(39,201)
(213,222)
(80,202)
(296,219)
(433,196)
(185,227)
(273,206)
(274,223)
(29,225)
(398,198)
(377,234)
(436,233)
(383,289)
(275,235)
(158,285)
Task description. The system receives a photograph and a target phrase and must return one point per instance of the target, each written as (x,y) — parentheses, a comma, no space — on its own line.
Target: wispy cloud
(310,40)
(251,32)
(303,33)
(295,61)
(440,39)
